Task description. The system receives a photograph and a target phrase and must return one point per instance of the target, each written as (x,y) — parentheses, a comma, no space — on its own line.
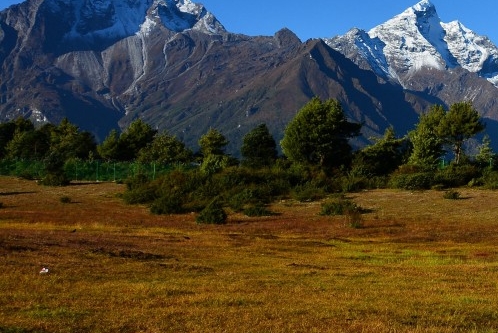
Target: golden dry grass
(420,263)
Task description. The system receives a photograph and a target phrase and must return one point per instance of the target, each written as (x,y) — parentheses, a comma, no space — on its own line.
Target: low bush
(338,206)
(490,180)
(411,181)
(26,174)
(456,175)
(346,207)
(309,191)
(170,203)
(257,210)
(354,183)
(65,199)
(54,179)
(452,195)
(240,198)
(212,214)
(136,181)
(143,194)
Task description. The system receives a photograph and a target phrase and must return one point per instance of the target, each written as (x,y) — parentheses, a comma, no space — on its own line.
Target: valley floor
(419,263)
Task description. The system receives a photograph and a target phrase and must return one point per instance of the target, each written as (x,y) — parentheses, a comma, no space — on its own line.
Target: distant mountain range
(104,63)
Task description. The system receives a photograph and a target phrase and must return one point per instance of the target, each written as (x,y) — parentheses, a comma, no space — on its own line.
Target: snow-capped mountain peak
(417,39)
(180,15)
(423,6)
(91,21)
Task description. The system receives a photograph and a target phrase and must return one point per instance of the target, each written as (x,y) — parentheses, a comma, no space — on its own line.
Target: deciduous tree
(214,159)
(165,149)
(137,136)
(485,157)
(109,148)
(258,148)
(318,135)
(382,157)
(459,124)
(70,142)
(427,142)
(213,143)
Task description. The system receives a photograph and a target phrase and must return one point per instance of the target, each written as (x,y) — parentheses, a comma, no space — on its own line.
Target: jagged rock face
(103,63)
(75,58)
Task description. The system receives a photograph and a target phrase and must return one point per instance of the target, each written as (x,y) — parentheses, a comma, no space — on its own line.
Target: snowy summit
(417,39)
(94,20)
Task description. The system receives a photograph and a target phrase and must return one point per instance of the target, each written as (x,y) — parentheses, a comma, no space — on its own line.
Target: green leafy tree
(426,139)
(137,136)
(109,148)
(485,156)
(70,142)
(24,125)
(54,167)
(319,135)
(382,157)
(13,129)
(33,144)
(459,124)
(213,143)
(259,148)
(165,149)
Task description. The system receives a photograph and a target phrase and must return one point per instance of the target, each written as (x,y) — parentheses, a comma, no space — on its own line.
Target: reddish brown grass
(420,263)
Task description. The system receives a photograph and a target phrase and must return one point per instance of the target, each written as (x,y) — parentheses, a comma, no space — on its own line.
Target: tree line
(317,157)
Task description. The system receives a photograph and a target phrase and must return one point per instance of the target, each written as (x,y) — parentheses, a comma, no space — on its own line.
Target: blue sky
(327,18)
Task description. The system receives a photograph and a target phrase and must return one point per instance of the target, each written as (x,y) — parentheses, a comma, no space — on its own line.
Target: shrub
(212,214)
(456,175)
(167,204)
(354,183)
(143,194)
(239,200)
(342,206)
(204,191)
(1,205)
(65,199)
(490,180)
(278,187)
(412,181)
(136,181)
(309,191)
(55,179)
(452,195)
(257,210)
(338,206)
(215,163)
(26,174)
(236,176)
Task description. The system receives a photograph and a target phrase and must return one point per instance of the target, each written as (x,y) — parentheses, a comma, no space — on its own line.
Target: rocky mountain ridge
(104,63)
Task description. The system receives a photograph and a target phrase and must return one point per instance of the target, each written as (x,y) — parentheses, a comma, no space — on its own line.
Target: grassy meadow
(418,263)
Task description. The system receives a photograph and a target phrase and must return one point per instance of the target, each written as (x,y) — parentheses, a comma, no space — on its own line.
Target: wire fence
(77,170)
